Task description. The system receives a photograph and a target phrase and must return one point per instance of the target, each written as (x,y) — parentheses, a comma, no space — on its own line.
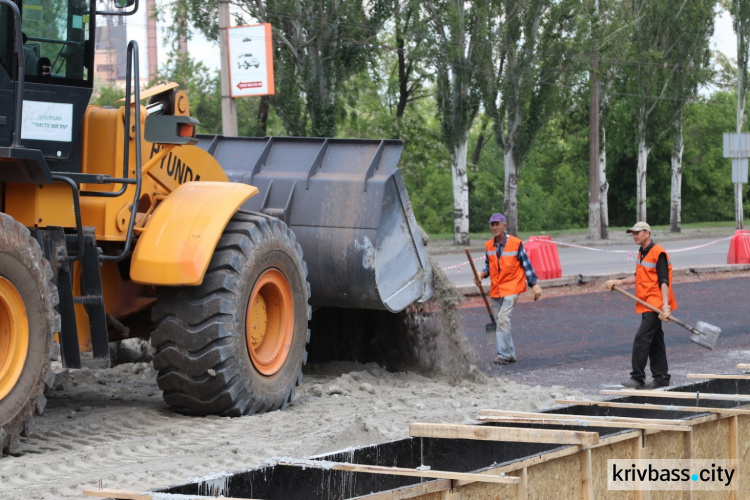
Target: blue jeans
(502,308)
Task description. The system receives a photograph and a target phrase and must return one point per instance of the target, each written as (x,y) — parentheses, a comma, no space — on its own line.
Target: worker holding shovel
(653,285)
(509,269)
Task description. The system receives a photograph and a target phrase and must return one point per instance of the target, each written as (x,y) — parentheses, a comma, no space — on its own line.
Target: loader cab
(58,52)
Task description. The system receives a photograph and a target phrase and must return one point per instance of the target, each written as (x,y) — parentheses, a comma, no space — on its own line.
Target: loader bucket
(346,202)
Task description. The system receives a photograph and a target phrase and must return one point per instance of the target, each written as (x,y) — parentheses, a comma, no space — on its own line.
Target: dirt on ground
(110,428)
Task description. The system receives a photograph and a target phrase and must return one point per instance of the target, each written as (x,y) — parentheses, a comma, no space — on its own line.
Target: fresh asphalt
(584,341)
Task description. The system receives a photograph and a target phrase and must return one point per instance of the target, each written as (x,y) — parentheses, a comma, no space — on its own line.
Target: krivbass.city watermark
(669,474)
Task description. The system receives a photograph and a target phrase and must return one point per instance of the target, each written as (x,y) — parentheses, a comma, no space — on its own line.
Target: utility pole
(595,220)
(228,106)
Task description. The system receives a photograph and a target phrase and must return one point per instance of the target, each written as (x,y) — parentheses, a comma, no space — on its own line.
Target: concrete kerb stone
(579,279)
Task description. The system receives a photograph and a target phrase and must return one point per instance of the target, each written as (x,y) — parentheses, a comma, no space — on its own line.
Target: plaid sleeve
(523,258)
(486,269)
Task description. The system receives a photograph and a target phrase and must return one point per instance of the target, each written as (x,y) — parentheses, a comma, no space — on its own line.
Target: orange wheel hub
(14,336)
(270,322)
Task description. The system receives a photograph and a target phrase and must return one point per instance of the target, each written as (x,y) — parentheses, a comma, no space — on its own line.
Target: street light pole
(228,106)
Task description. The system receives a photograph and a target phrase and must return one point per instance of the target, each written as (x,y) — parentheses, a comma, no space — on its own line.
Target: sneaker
(632,383)
(656,384)
(503,361)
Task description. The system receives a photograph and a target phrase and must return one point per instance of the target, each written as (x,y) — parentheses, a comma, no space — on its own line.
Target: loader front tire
(28,322)
(235,344)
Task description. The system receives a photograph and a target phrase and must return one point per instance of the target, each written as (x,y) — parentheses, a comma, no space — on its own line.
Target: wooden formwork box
(581,473)
(567,472)
(532,456)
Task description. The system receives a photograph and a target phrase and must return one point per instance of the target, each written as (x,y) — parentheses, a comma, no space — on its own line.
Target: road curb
(581,279)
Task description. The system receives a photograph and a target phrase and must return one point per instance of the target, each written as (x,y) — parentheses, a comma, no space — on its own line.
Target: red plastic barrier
(739,247)
(542,252)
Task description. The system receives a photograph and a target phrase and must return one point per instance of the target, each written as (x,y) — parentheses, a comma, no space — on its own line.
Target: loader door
(6,82)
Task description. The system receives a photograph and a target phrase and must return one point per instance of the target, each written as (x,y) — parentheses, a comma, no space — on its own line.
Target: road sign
(739,170)
(736,145)
(250,60)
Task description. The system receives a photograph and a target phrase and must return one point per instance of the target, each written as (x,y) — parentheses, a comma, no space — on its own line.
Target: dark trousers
(649,345)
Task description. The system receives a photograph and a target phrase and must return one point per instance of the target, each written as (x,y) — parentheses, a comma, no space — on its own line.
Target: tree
(455,25)
(692,60)
(608,34)
(410,34)
(659,65)
(318,46)
(740,12)
(527,45)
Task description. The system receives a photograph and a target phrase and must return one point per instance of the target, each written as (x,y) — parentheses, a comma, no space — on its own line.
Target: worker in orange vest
(653,284)
(509,269)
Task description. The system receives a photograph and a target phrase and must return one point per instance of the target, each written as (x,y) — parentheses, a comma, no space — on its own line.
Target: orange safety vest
(506,274)
(647,281)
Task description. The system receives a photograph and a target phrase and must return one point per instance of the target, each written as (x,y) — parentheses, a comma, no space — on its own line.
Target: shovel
(489,328)
(703,334)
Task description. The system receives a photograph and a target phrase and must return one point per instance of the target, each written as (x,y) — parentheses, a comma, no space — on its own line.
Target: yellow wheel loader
(122,222)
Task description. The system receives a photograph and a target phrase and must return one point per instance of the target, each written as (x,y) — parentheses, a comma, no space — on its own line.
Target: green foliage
(708,192)
(344,76)
(201,85)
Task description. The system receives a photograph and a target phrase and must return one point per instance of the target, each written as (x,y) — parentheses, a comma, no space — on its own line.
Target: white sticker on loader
(47,121)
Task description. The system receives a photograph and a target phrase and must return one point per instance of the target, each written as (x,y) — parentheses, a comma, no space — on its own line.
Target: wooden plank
(650,406)
(588,418)
(638,455)
(687,453)
(587,481)
(400,471)
(676,395)
(493,433)
(134,495)
(119,494)
(412,491)
(743,366)
(585,422)
(730,376)
(733,447)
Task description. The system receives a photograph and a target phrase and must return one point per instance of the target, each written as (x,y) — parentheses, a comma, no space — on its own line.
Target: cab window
(6,39)
(56,41)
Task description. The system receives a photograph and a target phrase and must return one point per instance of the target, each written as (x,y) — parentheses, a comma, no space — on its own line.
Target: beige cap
(639,226)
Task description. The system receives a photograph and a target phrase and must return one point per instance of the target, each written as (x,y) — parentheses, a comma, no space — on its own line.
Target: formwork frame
(559,453)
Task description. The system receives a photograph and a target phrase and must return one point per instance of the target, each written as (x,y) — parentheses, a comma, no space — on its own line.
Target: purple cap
(497,218)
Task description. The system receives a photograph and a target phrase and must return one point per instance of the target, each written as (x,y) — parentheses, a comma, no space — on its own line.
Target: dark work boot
(655,384)
(632,383)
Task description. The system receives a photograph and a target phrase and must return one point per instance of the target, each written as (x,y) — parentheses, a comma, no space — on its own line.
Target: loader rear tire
(235,344)
(28,322)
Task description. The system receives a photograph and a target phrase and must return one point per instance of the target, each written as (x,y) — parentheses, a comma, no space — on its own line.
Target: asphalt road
(584,341)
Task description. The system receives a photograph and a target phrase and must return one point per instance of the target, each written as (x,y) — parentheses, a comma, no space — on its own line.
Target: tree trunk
(511,192)
(403,77)
(741,96)
(603,186)
(640,183)
(478,150)
(678,146)
(263,106)
(460,193)
(595,209)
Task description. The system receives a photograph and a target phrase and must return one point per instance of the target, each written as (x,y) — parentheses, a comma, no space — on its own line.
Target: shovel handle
(655,309)
(476,275)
